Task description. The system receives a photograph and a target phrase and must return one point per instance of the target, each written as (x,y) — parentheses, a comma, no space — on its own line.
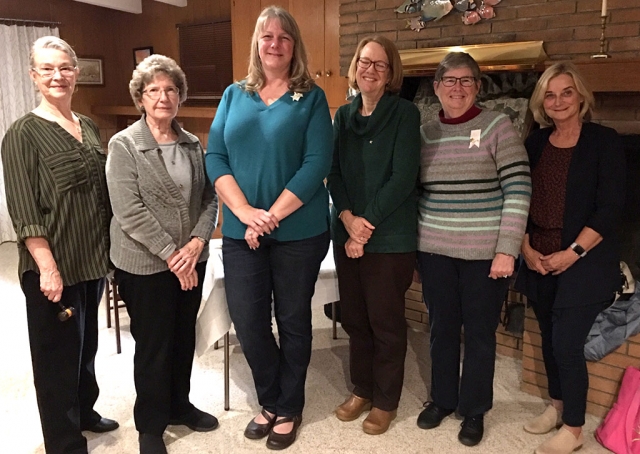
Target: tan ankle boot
(352,408)
(378,421)
(564,442)
(544,423)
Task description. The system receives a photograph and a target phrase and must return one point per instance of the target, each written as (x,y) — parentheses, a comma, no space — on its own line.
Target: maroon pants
(372,290)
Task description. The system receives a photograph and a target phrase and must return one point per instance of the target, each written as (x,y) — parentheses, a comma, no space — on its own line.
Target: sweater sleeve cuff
(166,252)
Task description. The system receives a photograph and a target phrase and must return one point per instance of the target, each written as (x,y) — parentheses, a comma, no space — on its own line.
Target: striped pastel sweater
(475,194)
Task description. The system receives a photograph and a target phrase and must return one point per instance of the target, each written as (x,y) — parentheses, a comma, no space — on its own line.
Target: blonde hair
(299,77)
(536,104)
(395,64)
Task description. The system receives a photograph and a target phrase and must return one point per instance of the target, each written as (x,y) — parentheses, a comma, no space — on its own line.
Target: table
(214,322)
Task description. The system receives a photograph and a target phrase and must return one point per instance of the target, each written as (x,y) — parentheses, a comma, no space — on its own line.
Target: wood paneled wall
(111,35)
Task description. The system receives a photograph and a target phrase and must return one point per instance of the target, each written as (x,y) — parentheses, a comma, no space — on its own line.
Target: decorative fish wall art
(472,11)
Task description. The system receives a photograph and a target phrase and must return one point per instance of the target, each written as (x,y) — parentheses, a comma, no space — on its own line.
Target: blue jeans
(288,270)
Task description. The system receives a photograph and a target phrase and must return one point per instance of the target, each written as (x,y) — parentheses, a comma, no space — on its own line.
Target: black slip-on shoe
(197,420)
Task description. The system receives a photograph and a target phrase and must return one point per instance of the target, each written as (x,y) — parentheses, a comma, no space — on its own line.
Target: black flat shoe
(255,431)
(102,426)
(278,441)
(151,444)
(471,430)
(432,416)
(197,420)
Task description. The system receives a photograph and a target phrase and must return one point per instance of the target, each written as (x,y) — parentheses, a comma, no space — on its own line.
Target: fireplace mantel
(610,75)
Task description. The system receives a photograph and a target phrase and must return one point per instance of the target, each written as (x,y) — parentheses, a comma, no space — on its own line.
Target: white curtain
(17,93)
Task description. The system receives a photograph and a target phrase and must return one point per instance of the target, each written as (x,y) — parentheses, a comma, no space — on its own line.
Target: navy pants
(286,270)
(372,290)
(163,324)
(564,332)
(63,355)
(459,294)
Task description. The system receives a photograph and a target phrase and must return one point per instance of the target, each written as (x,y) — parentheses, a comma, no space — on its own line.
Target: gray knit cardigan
(151,218)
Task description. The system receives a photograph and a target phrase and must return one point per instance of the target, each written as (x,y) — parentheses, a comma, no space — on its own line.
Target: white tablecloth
(213,318)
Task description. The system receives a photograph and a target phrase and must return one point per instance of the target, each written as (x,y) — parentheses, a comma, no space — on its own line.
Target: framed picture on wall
(140,53)
(90,71)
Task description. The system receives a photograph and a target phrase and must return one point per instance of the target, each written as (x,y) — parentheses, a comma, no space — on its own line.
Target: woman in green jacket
(376,160)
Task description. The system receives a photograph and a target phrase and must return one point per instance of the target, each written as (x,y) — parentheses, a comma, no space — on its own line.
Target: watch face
(578,249)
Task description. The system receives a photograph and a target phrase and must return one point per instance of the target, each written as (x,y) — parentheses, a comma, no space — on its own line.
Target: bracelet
(204,242)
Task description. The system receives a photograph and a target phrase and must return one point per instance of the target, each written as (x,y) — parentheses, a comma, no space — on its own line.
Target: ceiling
(130,6)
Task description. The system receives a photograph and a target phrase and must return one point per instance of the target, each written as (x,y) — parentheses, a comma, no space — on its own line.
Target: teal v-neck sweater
(286,145)
(375,172)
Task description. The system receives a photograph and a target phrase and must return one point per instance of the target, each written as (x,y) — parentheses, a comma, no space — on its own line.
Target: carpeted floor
(327,386)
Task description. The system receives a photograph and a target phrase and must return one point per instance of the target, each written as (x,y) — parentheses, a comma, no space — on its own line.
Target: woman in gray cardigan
(165,211)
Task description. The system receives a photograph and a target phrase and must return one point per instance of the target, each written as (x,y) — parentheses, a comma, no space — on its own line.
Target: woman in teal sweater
(376,158)
(268,154)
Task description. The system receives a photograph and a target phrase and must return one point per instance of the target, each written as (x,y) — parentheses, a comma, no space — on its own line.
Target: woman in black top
(570,249)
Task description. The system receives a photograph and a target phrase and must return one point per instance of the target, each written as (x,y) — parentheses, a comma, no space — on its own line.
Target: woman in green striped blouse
(57,198)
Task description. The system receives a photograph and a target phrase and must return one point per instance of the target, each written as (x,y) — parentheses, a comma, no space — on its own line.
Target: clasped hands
(555,263)
(359,230)
(183,262)
(259,222)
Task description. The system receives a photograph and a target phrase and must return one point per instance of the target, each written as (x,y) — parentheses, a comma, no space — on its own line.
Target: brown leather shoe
(352,408)
(255,431)
(378,421)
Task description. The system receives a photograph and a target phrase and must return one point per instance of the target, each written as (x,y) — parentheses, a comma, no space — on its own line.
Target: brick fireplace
(570,30)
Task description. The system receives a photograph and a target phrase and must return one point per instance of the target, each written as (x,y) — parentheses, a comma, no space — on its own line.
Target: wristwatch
(578,249)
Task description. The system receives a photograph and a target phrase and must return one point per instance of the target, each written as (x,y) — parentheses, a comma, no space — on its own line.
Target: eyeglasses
(380,66)
(156,93)
(466,81)
(48,72)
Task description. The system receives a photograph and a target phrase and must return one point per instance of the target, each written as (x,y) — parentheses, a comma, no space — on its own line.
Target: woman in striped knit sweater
(472,215)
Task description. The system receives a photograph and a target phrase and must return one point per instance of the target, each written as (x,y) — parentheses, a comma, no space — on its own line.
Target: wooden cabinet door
(243,20)
(335,86)
(319,25)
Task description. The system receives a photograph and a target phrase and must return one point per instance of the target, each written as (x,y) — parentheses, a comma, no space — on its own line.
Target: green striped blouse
(56,189)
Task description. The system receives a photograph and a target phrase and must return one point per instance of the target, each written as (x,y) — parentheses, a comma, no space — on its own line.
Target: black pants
(163,324)
(63,355)
(460,294)
(564,331)
(288,270)
(372,290)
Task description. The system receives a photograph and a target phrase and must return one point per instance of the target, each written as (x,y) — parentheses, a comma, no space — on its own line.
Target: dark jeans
(460,294)
(288,270)
(564,331)
(63,355)
(372,290)
(163,324)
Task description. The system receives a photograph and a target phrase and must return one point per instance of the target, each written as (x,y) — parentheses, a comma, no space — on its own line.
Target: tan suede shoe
(561,443)
(352,408)
(378,421)
(550,419)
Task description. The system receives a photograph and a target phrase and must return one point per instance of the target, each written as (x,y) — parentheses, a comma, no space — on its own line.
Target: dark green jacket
(374,172)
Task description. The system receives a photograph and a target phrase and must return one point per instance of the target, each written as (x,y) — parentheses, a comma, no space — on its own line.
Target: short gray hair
(52,42)
(454,60)
(147,70)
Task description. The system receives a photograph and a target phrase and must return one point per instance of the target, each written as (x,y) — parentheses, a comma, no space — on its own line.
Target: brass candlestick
(602,54)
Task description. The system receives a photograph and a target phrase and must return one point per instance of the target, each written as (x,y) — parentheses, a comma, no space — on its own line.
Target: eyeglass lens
(379,65)
(464,81)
